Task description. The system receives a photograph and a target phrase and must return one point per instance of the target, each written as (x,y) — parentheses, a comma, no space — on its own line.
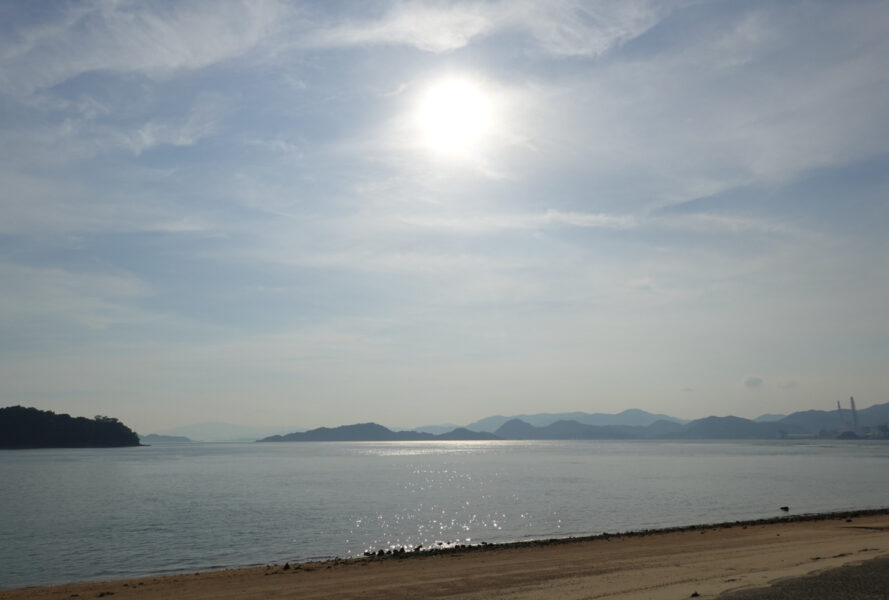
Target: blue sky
(419,212)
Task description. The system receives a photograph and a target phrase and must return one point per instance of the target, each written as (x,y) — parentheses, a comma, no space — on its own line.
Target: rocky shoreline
(403,552)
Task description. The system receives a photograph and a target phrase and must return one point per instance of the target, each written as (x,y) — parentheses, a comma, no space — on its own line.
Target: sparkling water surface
(74,515)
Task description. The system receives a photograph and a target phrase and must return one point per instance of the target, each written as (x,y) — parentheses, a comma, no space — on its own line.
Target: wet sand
(708,561)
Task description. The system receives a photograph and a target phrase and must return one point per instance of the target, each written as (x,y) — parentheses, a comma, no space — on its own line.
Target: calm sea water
(70,515)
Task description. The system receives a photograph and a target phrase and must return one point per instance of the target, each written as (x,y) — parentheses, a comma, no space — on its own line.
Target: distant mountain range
(222,432)
(631,424)
(632,417)
(153,438)
(437,429)
(768,418)
(372,432)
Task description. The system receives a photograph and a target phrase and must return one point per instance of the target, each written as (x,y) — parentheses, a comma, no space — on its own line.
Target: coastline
(667,563)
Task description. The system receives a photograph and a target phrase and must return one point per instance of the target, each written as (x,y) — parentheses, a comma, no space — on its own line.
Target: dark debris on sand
(866,581)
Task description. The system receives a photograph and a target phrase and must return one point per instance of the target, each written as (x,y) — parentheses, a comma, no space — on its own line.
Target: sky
(320,213)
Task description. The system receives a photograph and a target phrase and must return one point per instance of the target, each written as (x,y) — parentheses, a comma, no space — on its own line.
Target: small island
(22,428)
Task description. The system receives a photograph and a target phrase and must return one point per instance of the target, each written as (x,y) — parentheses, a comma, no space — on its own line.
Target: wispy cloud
(78,138)
(750,98)
(579,28)
(91,300)
(126,37)
(718,223)
(407,261)
(434,28)
(561,27)
(489,223)
(201,121)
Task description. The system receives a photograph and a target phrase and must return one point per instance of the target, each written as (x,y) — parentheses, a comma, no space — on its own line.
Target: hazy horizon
(424,212)
(272,428)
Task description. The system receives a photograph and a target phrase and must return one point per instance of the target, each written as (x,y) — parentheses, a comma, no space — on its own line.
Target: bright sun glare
(454,117)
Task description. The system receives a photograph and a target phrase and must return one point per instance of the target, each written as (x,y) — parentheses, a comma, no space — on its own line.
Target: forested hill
(22,427)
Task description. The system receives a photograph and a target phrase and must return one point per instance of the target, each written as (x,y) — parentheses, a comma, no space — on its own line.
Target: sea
(90,514)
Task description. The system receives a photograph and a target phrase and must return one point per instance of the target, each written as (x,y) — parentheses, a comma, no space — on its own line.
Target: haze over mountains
(223,432)
(154,438)
(372,432)
(631,417)
(227,432)
(630,424)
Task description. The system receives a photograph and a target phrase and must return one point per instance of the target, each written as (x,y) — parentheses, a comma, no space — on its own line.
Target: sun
(454,117)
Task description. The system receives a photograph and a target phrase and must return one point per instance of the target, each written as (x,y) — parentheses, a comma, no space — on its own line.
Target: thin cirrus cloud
(490,223)
(429,28)
(746,99)
(107,36)
(80,138)
(563,27)
(96,301)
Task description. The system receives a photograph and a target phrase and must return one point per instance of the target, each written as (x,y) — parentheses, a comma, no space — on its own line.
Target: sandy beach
(702,562)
